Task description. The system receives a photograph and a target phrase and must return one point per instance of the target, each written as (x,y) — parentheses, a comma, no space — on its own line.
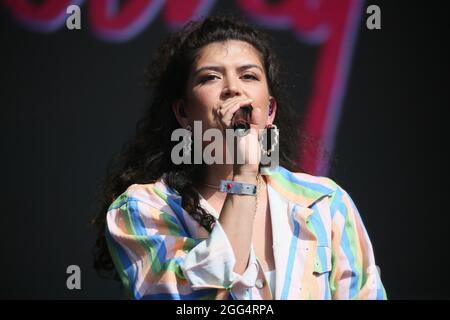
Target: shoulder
(322,183)
(319,182)
(309,190)
(155,194)
(302,187)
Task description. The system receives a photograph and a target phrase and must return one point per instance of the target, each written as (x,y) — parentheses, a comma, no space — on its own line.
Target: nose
(230,90)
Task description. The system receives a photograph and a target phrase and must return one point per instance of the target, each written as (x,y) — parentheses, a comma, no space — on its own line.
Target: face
(225,70)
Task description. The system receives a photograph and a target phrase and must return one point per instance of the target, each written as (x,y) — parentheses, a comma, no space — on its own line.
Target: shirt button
(259,283)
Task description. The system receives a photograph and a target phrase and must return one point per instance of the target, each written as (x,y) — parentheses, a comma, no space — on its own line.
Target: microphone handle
(241,119)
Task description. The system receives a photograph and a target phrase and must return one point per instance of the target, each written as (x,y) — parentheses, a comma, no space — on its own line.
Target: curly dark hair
(146,157)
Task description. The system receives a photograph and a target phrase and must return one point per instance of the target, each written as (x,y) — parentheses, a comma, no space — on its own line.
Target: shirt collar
(299,188)
(296,187)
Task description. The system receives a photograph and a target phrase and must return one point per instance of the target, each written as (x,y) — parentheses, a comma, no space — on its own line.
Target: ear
(179,110)
(273,106)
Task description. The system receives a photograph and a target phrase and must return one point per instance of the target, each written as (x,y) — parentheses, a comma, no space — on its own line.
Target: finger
(231,103)
(233,108)
(228,114)
(221,108)
(227,103)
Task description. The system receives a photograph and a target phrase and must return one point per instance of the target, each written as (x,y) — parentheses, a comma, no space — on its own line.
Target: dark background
(70,100)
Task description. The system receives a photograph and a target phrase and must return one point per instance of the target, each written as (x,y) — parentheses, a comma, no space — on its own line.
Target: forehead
(232,51)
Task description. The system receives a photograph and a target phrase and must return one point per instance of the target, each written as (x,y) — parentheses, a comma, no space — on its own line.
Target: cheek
(264,118)
(264,105)
(202,106)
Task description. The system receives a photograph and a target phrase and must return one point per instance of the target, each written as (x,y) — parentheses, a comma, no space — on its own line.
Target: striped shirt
(321,247)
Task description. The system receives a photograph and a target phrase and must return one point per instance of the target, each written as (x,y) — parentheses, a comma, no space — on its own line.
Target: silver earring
(187,141)
(276,134)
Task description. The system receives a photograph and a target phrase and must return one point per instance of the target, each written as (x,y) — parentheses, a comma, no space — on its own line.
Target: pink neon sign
(330,24)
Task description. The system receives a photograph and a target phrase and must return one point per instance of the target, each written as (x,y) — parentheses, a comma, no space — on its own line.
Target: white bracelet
(237,187)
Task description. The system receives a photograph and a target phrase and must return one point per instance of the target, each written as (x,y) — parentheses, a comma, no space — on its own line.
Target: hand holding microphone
(240,115)
(236,114)
(241,120)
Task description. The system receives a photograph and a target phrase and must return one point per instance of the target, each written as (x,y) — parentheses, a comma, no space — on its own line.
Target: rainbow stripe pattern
(321,247)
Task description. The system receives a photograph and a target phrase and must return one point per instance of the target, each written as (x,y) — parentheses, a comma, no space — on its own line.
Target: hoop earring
(276,134)
(187,141)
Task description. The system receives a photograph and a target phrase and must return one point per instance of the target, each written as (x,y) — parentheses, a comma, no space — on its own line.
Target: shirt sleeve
(354,273)
(156,258)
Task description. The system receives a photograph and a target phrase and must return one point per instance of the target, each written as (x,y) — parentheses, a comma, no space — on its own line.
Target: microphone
(241,120)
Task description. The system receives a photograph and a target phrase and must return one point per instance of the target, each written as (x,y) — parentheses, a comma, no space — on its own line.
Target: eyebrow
(219,68)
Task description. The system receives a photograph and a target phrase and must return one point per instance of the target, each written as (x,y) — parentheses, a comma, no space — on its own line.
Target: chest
(262,237)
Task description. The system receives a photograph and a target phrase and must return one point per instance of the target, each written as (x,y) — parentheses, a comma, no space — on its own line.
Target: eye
(208,78)
(249,76)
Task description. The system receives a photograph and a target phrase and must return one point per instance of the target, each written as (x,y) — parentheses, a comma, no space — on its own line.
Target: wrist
(245,177)
(245,172)
(240,186)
